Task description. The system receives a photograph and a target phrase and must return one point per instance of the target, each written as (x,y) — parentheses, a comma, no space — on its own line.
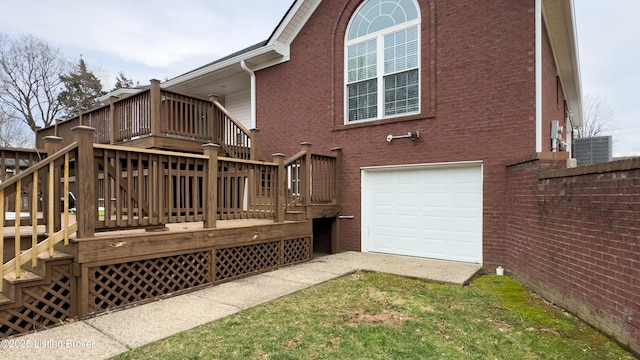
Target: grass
(379,316)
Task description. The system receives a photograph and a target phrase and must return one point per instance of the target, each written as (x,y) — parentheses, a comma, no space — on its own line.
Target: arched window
(382,61)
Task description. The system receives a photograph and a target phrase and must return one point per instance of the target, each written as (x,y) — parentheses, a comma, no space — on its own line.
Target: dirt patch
(386,317)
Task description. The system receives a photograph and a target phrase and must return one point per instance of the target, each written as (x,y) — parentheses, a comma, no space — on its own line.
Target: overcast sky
(162,39)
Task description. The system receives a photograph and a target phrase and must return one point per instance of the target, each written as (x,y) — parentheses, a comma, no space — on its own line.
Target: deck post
(305,175)
(335,224)
(51,146)
(280,186)
(86,203)
(255,144)
(214,121)
(156,100)
(336,175)
(211,185)
(113,125)
(36,131)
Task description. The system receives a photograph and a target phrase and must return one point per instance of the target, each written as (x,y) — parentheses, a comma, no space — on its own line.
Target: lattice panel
(43,306)
(116,285)
(297,250)
(237,261)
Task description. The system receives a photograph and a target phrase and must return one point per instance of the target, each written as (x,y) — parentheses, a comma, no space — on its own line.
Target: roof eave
(276,49)
(559,18)
(271,50)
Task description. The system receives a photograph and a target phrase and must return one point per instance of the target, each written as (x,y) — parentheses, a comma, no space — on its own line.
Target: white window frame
(380,75)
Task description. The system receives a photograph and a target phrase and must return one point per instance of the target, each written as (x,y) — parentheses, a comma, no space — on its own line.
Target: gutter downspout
(538,50)
(244,67)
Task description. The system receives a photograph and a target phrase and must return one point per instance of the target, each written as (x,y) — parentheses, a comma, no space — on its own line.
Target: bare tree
(597,116)
(30,79)
(14,133)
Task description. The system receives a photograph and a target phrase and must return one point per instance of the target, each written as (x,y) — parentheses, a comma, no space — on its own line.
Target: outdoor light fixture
(413,135)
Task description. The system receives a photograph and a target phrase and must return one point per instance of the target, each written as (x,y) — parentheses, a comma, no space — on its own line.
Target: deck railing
(12,162)
(186,117)
(42,184)
(312,179)
(163,113)
(119,188)
(138,188)
(235,139)
(132,117)
(127,188)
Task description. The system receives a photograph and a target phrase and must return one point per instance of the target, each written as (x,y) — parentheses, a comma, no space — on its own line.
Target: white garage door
(432,211)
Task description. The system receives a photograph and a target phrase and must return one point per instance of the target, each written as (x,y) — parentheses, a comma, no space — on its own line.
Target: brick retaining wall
(574,236)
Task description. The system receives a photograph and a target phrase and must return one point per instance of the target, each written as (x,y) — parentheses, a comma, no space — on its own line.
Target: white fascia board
(576,107)
(303,9)
(564,41)
(538,66)
(229,62)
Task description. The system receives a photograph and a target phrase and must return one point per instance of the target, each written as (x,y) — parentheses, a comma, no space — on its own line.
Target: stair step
(5,300)
(25,276)
(57,255)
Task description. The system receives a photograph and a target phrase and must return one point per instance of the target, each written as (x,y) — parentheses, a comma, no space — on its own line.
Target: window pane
(376,15)
(401,93)
(361,61)
(401,50)
(363,100)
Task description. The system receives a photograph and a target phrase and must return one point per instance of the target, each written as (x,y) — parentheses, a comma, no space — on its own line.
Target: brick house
(429,100)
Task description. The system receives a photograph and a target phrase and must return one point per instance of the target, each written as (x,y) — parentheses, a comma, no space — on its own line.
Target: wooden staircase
(41,297)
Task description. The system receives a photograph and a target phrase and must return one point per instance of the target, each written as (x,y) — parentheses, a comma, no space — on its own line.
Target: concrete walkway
(113,333)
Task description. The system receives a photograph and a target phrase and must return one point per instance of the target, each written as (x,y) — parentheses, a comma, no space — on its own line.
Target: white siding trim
(538,51)
(239,105)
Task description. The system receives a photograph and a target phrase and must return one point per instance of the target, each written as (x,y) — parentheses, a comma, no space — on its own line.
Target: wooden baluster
(51,207)
(34,220)
(1,236)
(17,225)
(51,145)
(337,173)
(65,195)
(281,180)
(305,174)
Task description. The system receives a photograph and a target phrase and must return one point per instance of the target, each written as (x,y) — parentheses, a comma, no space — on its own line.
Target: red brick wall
(575,239)
(478,101)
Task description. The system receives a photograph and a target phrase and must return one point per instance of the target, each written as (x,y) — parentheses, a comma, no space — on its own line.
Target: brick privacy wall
(478,68)
(575,239)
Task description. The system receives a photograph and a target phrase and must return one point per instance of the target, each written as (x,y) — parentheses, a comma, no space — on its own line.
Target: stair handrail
(294,199)
(245,132)
(15,182)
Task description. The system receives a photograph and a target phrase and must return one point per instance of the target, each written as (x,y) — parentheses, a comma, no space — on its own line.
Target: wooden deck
(174,222)
(26,232)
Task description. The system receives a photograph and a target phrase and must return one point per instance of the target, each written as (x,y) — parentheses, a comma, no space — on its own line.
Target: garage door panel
(430,212)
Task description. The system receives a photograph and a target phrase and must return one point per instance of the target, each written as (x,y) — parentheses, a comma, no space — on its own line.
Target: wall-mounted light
(413,135)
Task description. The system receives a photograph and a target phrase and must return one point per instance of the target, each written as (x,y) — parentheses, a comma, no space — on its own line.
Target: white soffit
(559,18)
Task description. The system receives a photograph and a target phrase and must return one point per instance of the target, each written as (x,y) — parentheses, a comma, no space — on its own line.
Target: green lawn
(379,316)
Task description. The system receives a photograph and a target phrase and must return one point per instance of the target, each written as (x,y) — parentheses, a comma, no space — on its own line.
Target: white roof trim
(559,17)
(278,43)
(227,63)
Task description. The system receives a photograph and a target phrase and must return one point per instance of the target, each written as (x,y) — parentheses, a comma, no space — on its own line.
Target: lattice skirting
(117,285)
(43,305)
